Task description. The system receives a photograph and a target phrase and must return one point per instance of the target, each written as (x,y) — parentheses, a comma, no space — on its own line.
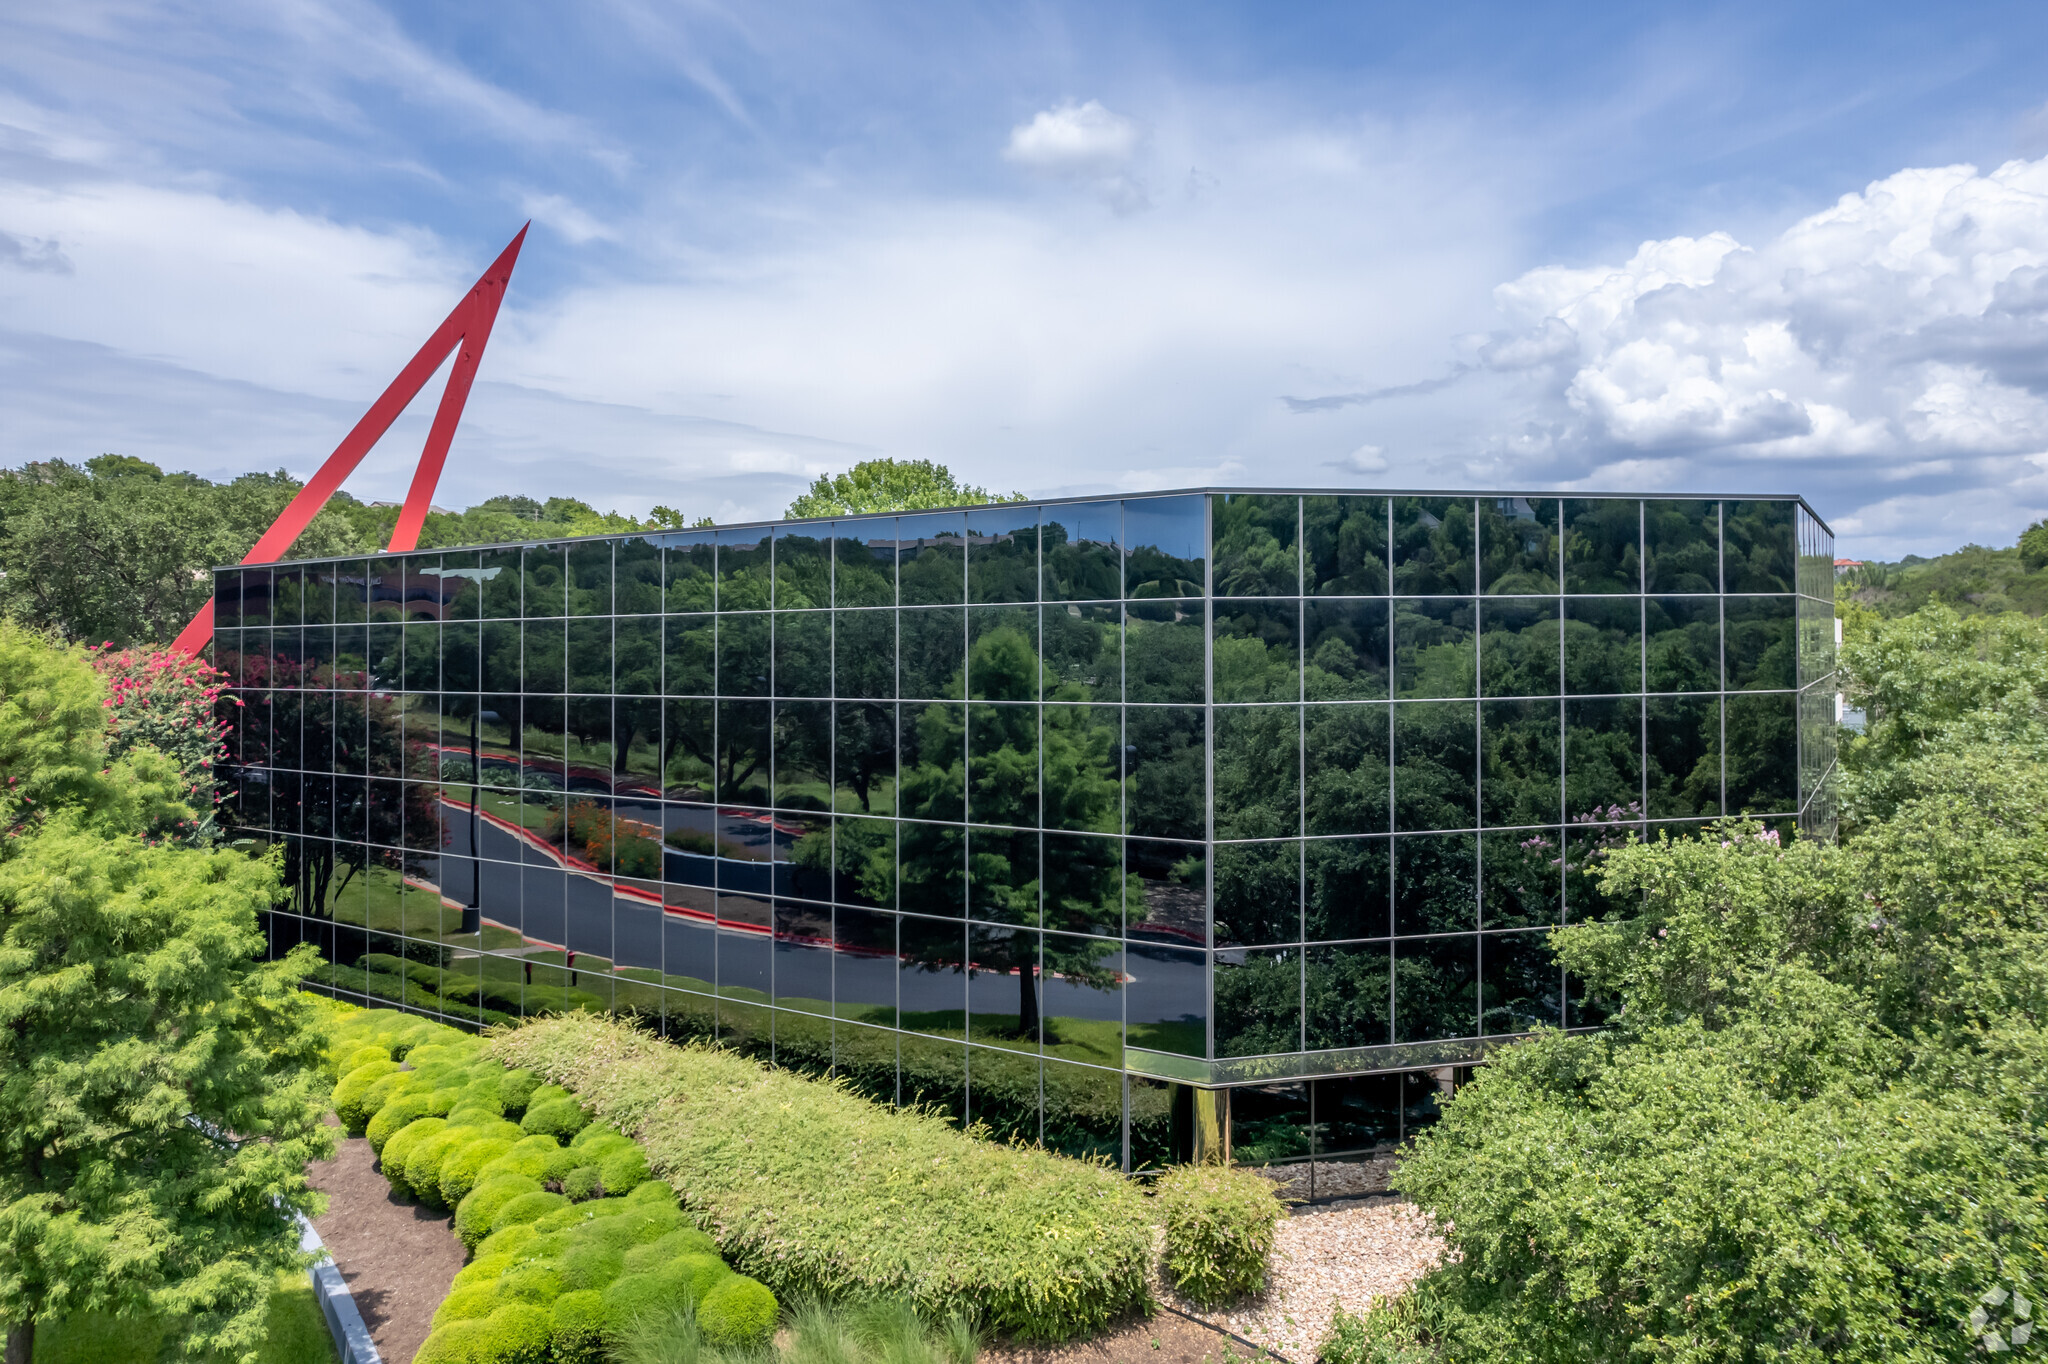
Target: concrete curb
(351,1338)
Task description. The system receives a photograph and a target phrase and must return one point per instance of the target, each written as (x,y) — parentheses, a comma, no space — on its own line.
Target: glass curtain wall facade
(1057,816)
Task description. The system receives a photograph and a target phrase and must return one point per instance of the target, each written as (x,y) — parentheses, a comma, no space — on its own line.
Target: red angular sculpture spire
(468,328)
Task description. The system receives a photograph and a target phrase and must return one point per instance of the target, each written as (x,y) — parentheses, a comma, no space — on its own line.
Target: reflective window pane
(864,769)
(1518,545)
(1348,650)
(1164,538)
(1347,888)
(1433,648)
(931,559)
(1002,764)
(1164,772)
(1603,766)
(1435,988)
(1084,551)
(1258,1002)
(864,562)
(1344,546)
(1258,651)
(590,578)
(1519,646)
(1436,878)
(1682,643)
(1758,552)
(1435,765)
(1258,893)
(1348,997)
(1346,777)
(1682,546)
(1603,545)
(1081,768)
(1603,645)
(1433,546)
(864,654)
(745,654)
(1258,771)
(689,570)
(803,653)
(1257,544)
(1002,555)
(1762,643)
(1083,651)
(1163,652)
(1521,879)
(1519,747)
(933,652)
(1683,761)
(803,755)
(1084,884)
(745,575)
(803,567)
(691,648)
(1166,893)
(933,768)
(1521,986)
(1762,753)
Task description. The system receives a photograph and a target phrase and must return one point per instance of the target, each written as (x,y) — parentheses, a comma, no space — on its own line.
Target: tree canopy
(885,485)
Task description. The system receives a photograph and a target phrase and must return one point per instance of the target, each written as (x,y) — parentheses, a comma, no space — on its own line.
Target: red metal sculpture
(467,327)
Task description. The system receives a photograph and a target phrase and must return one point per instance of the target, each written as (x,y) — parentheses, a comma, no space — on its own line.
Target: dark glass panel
(1683,643)
(287,596)
(259,589)
(1257,544)
(743,749)
(1084,1112)
(1433,546)
(1083,652)
(1083,552)
(1436,879)
(636,749)
(1003,1084)
(542,654)
(865,563)
(1682,546)
(1684,734)
(864,654)
(864,862)
(1268,1122)
(1762,643)
(636,654)
(1762,754)
(499,572)
(463,668)
(689,749)
(803,857)
(1518,545)
(1603,545)
(689,571)
(1347,781)
(1258,1004)
(637,589)
(1521,879)
(932,868)
(865,1058)
(544,571)
(692,651)
(1002,555)
(931,986)
(422,656)
(1163,771)
(803,653)
(1435,765)
(1348,651)
(1520,984)
(865,771)
(351,592)
(1603,645)
(744,654)
(1348,883)
(1002,653)
(384,590)
(1002,764)
(590,578)
(318,604)
(1435,988)
(745,581)
(1433,648)
(1358,1114)
(1166,998)
(351,657)
(803,957)
(1163,539)
(1258,771)
(1258,893)
(227,598)
(1002,876)
(933,769)
(803,567)
(462,586)
(803,755)
(1258,651)
(1521,774)
(592,761)
(1163,652)
(1084,884)
(424,589)
(387,656)
(590,656)
(1518,646)
(1349,998)
(1603,756)
(933,1073)
(1167,892)
(1080,768)
(933,652)
(931,559)
(1344,546)
(1758,553)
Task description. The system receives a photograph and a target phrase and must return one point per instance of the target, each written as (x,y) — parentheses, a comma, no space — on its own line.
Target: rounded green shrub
(381,1092)
(576,1214)
(361,1054)
(348,1093)
(551,1245)
(467,1302)
(461,1167)
(578,1335)
(653,1191)
(527,1208)
(511,1241)
(646,1258)
(466,1114)
(397,1111)
(635,1227)
(624,1170)
(423,1162)
(597,1139)
(640,1295)
(1219,1224)
(590,1266)
(398,1150)
(559,1118)
(698,1274)
(738,1313)
(441,1100)
(583,1182)
(546,1094)
(515,1088)
(482,1269)
(459,1342)
(516,1333)
(534,1281)
(537,1157)
(474,1213)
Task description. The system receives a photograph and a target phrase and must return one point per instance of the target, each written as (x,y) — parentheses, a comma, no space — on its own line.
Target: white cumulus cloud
(1088,144)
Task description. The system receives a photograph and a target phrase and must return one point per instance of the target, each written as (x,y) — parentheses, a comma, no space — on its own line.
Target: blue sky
(1062,248)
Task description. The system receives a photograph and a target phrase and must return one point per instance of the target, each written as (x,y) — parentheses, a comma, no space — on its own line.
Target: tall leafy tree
(158,1091)
(883,485)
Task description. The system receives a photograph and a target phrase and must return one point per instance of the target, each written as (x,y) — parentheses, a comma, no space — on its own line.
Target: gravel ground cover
(1325,1258)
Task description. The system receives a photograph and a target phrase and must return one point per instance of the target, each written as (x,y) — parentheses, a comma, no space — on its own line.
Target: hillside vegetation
(1973,580)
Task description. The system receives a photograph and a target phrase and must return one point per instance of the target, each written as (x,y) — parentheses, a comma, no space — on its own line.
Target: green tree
(158,1090)
(882,485)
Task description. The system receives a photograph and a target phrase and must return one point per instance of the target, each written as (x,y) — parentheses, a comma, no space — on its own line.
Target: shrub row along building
(1127,825)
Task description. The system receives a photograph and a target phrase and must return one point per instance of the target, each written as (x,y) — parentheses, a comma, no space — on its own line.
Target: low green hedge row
(817,1191)
(461,994)
(1219,1230)
(557,1277)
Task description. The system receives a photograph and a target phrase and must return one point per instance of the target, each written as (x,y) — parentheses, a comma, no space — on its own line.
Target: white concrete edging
(351,1338)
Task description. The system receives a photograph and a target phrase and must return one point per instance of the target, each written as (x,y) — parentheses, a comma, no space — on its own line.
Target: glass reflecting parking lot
(1052,815)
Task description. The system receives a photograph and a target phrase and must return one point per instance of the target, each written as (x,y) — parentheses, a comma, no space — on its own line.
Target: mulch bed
(1165,1339)
(398,1258)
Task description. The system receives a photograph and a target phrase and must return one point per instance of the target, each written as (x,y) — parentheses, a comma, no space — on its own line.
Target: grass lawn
(298,1333)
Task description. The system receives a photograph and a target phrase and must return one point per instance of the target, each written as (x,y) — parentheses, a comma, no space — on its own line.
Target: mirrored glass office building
(1121,825)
